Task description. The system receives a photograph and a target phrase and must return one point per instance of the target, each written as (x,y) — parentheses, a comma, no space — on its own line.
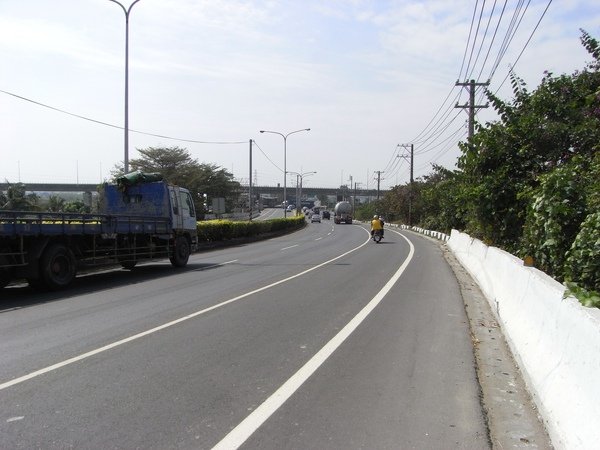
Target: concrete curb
(555,340)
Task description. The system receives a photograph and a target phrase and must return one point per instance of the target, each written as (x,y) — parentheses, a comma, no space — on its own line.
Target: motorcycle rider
(376,225)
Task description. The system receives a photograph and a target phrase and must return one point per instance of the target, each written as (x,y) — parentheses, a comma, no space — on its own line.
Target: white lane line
(105,348)
(251,423)
(291,246)
(318,239)
(212,266)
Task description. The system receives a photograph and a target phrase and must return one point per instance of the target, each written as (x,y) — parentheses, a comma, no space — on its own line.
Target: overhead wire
(266,156)
(79,116)
(513,28)
(493,38)
(483,39)
(475,38)
(433,134)
(468,39)
(526,45)
(394,153)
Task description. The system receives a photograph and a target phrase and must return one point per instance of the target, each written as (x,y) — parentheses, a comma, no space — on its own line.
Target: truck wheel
(57,267)
(181,252)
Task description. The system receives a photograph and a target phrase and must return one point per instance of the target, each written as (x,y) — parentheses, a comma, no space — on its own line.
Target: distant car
(316,217)
(326,215)
(291,207)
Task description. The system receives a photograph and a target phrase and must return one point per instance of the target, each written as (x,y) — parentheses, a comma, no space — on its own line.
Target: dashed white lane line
(291,246)
(251,423)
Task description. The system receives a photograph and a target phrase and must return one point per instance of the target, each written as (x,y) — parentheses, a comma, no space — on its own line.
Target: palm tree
(17,199)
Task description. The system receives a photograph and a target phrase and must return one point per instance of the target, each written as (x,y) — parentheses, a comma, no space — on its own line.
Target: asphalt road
(319,339)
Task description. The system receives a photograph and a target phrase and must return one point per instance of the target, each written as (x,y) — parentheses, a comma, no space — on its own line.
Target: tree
(537,132)
(17,199)
(177,166)
(56,203)
(442,200)
(76,206)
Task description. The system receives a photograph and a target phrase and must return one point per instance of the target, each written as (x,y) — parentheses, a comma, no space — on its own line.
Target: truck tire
(181,252)
(57,267)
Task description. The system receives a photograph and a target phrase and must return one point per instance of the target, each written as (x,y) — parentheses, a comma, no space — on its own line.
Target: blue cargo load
(148,199)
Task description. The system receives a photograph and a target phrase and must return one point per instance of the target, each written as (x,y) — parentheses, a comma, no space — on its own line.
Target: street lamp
(284,136)
(126,11)
(300,176)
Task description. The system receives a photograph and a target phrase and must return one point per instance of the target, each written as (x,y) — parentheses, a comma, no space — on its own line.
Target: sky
(368,77)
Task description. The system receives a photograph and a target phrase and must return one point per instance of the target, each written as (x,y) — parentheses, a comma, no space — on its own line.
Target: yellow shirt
(376,224)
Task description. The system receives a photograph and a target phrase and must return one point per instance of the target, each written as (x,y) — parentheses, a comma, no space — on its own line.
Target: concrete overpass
(263,191)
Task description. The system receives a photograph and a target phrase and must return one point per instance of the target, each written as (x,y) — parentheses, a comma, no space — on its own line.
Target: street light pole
(300,176)
(284,136)
(126,11)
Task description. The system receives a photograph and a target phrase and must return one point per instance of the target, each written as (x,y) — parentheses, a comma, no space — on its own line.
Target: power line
(485,33)
(468,40)
(526,44)
(493,37)
(265,155)
(117,126)
(392,159)
(437,127)
(475,38)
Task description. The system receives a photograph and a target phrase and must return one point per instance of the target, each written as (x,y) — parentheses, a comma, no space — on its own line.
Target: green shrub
(583,259)
(555,216)
(222,230)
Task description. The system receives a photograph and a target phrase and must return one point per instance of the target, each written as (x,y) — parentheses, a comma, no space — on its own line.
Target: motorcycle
(377,236)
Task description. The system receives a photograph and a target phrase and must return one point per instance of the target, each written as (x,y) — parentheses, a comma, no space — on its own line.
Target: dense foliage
(17,199)
(528,182)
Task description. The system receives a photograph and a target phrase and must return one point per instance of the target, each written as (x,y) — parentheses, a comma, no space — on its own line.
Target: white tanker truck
(342,212)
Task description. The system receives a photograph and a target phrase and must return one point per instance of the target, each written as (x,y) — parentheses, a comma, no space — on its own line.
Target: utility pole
(379,172)
(410,186)
(471,106)
(354,200)
(412,160)
(250,202)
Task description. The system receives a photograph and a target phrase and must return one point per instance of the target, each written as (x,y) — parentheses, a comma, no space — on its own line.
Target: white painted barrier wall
(555,341)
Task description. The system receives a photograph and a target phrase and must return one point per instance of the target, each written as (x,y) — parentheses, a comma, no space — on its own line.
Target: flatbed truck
(137,222)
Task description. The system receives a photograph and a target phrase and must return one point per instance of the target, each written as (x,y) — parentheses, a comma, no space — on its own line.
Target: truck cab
(154,200)
(183,212)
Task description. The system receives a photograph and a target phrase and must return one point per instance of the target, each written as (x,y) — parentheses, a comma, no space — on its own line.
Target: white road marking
(318,239)
(212,266)
(15,419)
(134,337)
(291,246)
(251,423)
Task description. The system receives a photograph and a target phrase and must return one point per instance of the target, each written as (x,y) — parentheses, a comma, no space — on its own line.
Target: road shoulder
(512,417)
